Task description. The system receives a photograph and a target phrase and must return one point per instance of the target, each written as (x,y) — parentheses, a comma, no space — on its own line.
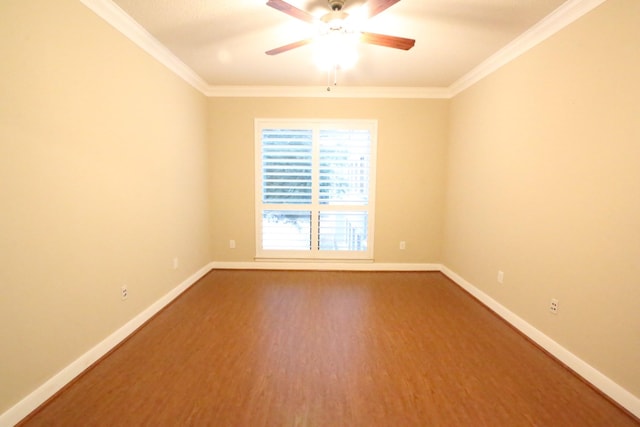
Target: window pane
(286,230)
(315,187)
(286,166)
(343,231)
(345,158)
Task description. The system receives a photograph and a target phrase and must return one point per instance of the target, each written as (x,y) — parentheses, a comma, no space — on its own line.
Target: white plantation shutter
(344,165)
(345,158)
(314,189)
(342,231)
(286,166)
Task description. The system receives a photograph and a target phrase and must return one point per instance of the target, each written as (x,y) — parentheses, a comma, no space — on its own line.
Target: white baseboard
(589,373)
(62,378)
(623,397)
(325,265)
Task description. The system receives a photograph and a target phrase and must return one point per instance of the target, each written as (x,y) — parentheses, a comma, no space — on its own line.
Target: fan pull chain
(335,77)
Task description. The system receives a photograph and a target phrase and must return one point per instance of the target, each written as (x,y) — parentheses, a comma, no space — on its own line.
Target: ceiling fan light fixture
(336,4)
(336,49)
(338,32)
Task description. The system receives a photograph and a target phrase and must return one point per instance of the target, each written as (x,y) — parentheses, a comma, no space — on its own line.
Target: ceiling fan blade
(377,6)
(388,41)
(289,46)
(291,10)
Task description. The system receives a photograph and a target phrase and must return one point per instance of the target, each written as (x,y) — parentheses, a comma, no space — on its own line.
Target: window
(315,181)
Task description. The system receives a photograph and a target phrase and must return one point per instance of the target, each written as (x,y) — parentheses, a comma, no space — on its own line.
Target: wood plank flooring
(283,348)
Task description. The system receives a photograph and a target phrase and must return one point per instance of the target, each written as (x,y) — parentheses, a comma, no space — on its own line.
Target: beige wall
(410,170)
(544,184)
(111,166)
(103,180)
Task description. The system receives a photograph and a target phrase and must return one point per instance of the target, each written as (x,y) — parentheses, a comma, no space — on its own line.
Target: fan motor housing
(336,4)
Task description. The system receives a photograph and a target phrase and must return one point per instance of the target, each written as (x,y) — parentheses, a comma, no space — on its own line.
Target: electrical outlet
(175,263)
(232,244)
(124,293)
(553,306)
(500,277)
(403,245)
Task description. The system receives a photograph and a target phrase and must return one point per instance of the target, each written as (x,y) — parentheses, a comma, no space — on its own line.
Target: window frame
(316,125)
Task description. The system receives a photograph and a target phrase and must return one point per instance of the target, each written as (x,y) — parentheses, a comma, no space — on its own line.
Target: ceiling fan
(336,21)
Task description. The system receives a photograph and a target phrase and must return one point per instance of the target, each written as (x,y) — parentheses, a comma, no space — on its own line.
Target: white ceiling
(224,42)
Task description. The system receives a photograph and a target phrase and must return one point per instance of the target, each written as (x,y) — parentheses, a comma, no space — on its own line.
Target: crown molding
(557,20)
(328,92)
(564,15)
(121,21)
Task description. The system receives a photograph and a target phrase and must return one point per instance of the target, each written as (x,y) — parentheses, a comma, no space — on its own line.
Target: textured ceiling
(224,41)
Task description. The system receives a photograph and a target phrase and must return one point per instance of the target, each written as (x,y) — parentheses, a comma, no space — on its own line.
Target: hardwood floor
(282,348)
